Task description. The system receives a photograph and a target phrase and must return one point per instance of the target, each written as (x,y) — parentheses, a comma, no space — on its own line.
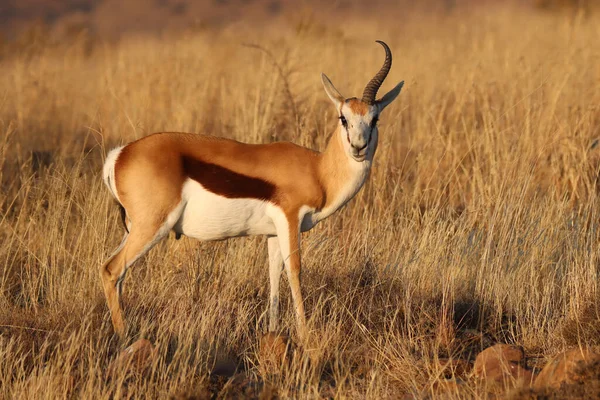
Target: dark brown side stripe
(226,183)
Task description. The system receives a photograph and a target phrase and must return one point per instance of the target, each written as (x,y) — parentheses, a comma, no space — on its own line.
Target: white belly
(208,216)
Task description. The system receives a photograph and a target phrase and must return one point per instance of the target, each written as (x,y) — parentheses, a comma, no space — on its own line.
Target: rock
(567,367)
(499,352)
(274,351)
(135,358)
(502,366)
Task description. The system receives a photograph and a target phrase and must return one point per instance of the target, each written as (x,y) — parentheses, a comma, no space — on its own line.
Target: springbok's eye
(374,121)
(344,122)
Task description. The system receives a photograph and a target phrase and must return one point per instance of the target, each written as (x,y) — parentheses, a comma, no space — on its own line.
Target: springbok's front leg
(275,270)
(288,235)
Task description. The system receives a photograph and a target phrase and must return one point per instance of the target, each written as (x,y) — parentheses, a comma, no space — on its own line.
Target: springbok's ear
(389,96)
(332,92)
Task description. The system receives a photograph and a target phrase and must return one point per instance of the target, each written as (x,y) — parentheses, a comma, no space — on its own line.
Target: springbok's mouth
(359,158)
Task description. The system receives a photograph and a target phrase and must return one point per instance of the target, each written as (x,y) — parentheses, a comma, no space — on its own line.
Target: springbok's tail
(108,174)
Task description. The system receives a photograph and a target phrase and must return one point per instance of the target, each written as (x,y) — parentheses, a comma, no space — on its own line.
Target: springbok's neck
(341,176)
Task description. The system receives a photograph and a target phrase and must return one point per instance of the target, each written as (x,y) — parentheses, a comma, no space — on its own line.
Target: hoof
(274,352)
(135,358)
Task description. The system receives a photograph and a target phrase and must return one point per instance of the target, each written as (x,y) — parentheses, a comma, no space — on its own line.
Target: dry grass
(479,222)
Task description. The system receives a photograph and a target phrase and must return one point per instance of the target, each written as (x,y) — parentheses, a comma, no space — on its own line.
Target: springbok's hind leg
(135,244)
(110,286)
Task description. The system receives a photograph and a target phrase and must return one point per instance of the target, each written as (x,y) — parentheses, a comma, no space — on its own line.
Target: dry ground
(479,222)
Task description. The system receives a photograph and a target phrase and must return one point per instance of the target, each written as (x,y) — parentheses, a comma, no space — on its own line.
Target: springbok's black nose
(359,149)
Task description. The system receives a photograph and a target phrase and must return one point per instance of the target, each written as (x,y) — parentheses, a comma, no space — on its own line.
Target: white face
(358,120)
(358,129)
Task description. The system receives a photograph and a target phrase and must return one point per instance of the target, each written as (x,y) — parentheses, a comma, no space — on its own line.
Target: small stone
(135,358)
(566,367)
(499,352)
(502,366)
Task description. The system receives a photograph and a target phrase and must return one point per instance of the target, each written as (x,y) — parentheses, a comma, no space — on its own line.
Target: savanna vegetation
(479,223)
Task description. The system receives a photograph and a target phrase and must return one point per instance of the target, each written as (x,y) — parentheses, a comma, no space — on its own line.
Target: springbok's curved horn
(373,86)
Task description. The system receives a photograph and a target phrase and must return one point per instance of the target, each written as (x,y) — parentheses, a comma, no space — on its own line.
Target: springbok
(211,188)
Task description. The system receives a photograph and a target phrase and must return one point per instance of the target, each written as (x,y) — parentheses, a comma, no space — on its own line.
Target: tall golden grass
(478,224)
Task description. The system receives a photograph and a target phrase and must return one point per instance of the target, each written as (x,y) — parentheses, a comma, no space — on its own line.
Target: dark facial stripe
(226,183)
